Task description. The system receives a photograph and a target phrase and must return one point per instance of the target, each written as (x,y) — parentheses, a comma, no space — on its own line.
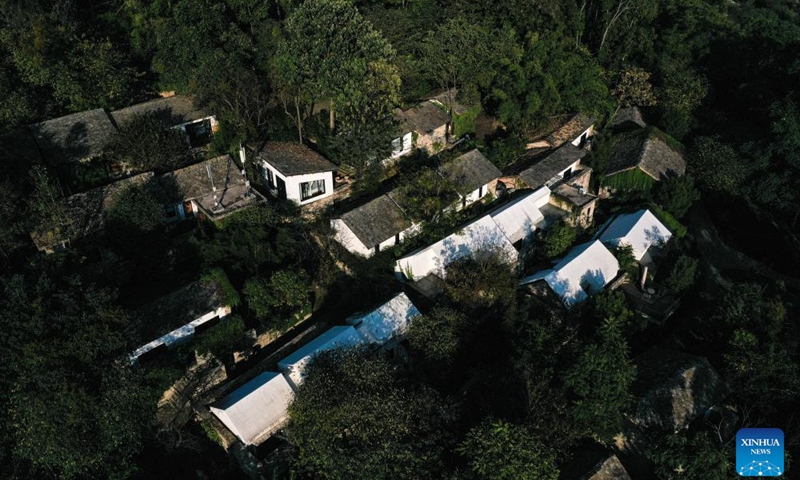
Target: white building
(641,230)
(294,366)
(472,175)
(377,225)
(388,322)
(586,270)
(522,216)
(257,409)
(295,172)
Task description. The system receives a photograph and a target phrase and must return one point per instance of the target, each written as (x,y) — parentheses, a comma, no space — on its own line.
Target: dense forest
(496,385)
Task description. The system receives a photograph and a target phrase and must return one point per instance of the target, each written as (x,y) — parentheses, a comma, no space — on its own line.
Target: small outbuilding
(295,172)
(471,174)
(558,166)
(648,151)
(257,409)
(628,119)
(425,125)
(373,227)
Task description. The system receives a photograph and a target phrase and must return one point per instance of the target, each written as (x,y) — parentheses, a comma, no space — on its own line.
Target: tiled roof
(376,221)
(648,150)
(74,137)
(469,171)
(291,158)
(552,165)
(175,110)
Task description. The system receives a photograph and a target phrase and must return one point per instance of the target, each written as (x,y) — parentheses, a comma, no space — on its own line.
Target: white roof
(518,219)
(295,364)
(584,271)
(390,320)
(257,409)
(640,230)
(482,235)
(179,335)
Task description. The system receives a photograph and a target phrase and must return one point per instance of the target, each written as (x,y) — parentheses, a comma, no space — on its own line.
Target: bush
(279,301)
(682,275)
(676,194)
(228,294)
(221,340)
(558,239)
(667,219)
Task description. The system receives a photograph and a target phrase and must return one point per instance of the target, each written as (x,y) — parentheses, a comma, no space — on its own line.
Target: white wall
(348,239)
(293,183)
(560,175)
(589,133)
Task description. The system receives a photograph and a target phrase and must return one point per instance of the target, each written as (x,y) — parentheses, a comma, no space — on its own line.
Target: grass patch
(629,180)
(676,227)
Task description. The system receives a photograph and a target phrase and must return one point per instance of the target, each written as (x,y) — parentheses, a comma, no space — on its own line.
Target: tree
(601,378)
(437,338)
(634,89)
(135,211)
(350,65)
(146,143)
(627,261)
(681,456)
(457,55)
(223,339)
(676,194)
(502,451)
(681,276)
(425,194)
(719,166)
(279,300)
(485,281)
(389,429)
(558,239)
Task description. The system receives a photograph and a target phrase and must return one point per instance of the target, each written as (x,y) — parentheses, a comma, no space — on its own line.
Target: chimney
(644,278)
(242,156)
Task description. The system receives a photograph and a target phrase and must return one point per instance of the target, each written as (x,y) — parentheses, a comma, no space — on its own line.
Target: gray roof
(376,221)
(673,388)
(610,469)
(291,158)
(574,127)
(629,118)
(198,182)
(175,110)
(175,309)
(469,171)
(85,212)
(648,150)
(542,172)
(74,137)
(424,118)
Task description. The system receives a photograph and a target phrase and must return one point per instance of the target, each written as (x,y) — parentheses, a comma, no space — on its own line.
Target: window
(199,133)
(311,189)
(270,177)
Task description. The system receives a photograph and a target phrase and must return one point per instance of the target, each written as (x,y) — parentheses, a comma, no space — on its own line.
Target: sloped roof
(585,270)
(85,212)
(552,165)
(198,182)
(521,217)
(568,132)
(176,308)
(672,388)
(640,230)
(376,221)
(647,150)
(610,469)
(424,118)
(291,158)
(295,364)
(629,118)
(481,236)
(469,171)
(254,411)
(74,137)
(386,322)
(175,110)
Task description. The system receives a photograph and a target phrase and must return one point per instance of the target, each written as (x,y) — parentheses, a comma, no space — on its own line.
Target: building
(174,319)
(586,270)
(426,125)
(673,388)
(176,111)
(386,323)
(295,172)
(523,215)
(628,119)
(214,188)
(641,230)
(294,366)
(375,226)
(84,214)
(554,168)
(577,131)
(648,151)
(77,137)
(257,409)
(472,175)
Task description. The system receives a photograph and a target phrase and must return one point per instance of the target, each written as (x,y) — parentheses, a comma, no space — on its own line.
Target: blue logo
(759,452)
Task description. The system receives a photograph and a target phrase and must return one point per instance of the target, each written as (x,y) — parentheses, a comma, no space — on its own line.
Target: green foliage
(425,194)
(504,152)
(145,143)
(390,429)
(281,300)
(692,457)
(436,336)
(475,283)
(601,378)
(224,338)
(674,226)
(717,165)
(502,451)
(676,194)
(558,239)
(627,261)
(465,123)
(227,292)
(633,180)
(633,88)
(681,276)
(134,212)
